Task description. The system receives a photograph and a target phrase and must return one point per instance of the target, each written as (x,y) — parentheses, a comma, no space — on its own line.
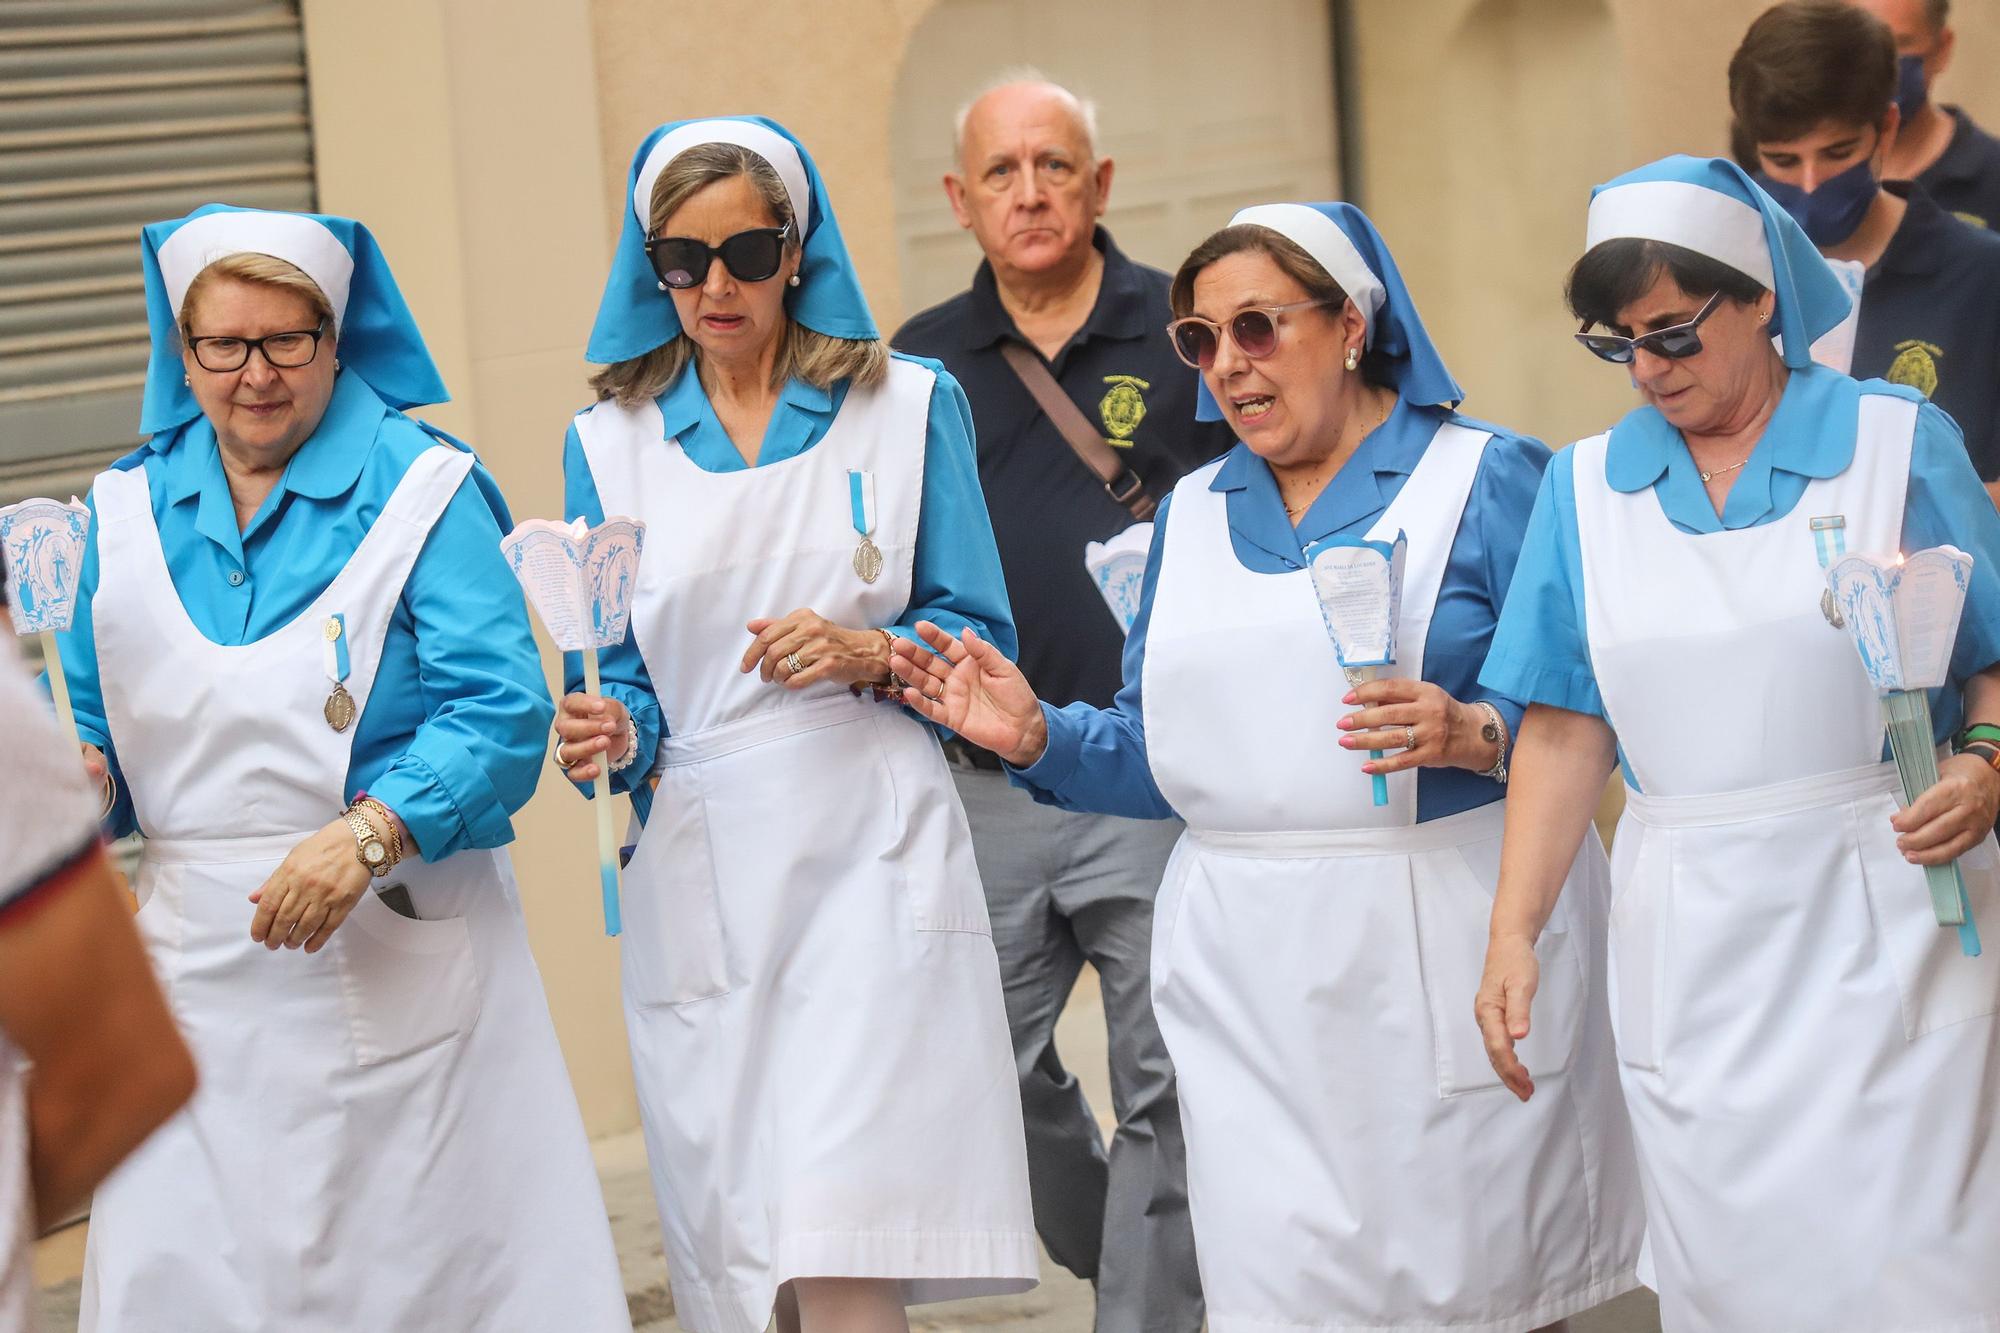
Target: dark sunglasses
(750,256)
(1254,331)
(1675,342)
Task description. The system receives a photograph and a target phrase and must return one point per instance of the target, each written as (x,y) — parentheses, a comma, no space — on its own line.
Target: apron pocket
(932,851)
(408,985)
(1638,941)
(1454,908)
(1938,985)
(672,949)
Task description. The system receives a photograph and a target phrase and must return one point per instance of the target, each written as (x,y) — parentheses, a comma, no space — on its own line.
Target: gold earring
(1763,316)
(1354,358)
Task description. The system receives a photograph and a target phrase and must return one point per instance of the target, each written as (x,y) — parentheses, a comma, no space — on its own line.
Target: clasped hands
(795,650)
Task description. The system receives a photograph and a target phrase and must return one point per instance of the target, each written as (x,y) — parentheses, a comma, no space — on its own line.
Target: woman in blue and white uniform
(308,673)
(810,985)
(1353,1162)
(1811,1064)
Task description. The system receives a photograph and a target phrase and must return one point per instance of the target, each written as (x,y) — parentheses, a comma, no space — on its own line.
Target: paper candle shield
(43,541)
(1118,568)
(580,580)
(1359,585)
(1903,614)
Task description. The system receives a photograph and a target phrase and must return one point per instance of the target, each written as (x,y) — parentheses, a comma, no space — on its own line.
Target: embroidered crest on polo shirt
(1973,218)
(1122,408)
(1916,366)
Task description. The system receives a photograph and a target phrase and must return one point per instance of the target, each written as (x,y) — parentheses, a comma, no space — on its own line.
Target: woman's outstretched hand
(968,685)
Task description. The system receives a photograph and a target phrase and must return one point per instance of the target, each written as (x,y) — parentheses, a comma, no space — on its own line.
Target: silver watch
(1494,730)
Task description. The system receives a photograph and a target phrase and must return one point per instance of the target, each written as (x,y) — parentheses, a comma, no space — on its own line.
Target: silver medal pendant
(868,560)
(1831,611)
(339,710)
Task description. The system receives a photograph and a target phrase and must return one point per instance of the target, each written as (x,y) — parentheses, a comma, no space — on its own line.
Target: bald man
(1063,887)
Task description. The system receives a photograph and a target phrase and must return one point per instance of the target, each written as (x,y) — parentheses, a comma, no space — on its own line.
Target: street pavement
(1061,1304)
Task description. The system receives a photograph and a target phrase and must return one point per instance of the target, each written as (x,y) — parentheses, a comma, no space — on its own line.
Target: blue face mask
(1829,214)
(1913,86)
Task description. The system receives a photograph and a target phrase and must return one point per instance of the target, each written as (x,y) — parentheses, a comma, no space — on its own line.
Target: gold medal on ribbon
(339,708)
(868,560)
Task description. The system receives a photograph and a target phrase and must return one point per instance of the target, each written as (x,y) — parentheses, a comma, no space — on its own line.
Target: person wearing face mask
(1810,87)
(1939,147)
(1812,1066)
(1353,1160)
(811,991)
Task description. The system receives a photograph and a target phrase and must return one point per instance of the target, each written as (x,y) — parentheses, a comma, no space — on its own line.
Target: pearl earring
(188,382)
(336,365)
(1353,358)
(662,286)
(795,280)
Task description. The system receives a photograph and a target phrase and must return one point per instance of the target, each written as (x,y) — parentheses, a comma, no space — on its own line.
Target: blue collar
(326,466)
(1811,434)
(1354,494)
(685,403)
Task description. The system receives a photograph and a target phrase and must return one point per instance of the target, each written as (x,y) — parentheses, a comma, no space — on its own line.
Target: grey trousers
(1062,888)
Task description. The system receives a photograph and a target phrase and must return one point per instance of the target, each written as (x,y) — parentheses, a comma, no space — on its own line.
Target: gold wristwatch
(369,847)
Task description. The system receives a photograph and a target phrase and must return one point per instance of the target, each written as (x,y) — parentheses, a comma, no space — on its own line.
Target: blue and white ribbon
(334,648)
(861,498)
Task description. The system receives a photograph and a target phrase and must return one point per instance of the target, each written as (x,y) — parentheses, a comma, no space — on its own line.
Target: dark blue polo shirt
(1046,505)
(1966,177)
(1930,318)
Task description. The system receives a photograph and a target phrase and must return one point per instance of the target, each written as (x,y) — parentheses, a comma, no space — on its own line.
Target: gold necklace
(1707,477)
(1297,511)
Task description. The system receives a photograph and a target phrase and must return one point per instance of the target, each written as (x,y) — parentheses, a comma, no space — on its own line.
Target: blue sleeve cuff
(1540,683)
(1059,761)
(444,797)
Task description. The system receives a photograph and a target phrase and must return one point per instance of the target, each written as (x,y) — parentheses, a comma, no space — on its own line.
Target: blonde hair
(265,270)
(819,359)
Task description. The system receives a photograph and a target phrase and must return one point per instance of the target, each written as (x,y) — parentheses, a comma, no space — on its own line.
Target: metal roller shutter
(113,115)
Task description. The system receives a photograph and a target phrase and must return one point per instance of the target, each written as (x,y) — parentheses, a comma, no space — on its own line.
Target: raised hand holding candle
(1359,586)
(1903,614)
(580,580)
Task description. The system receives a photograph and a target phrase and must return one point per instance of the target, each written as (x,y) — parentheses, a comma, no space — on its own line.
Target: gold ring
(793,663)
(562,763)
(1409,738)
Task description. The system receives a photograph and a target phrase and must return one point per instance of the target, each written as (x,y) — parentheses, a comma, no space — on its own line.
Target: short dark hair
(1291,259)
(1938,13)
(1613,274)
(1805,62)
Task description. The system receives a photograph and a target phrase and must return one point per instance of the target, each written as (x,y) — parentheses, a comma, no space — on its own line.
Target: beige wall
(486,143)
(466,135)
(1484,124)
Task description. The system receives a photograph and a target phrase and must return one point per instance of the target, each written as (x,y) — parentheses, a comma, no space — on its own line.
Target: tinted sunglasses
(1254,331)
(750,256)
(1679,341)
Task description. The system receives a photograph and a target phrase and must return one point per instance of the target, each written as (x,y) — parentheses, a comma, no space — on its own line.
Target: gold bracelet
(389,822)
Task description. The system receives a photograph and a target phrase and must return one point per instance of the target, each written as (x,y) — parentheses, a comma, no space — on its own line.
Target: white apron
(17,1212)
(810,986)
(384,1137)
(1810,1063)
(1353,1162)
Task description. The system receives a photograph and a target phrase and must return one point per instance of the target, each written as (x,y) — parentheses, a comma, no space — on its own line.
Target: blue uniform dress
(1539,653)
(457,724)
(1096,759)
(956,581)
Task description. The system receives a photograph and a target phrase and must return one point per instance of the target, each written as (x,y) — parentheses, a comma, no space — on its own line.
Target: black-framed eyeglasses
(750,256)
(1674,342)
(1253,329)
(286,351)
